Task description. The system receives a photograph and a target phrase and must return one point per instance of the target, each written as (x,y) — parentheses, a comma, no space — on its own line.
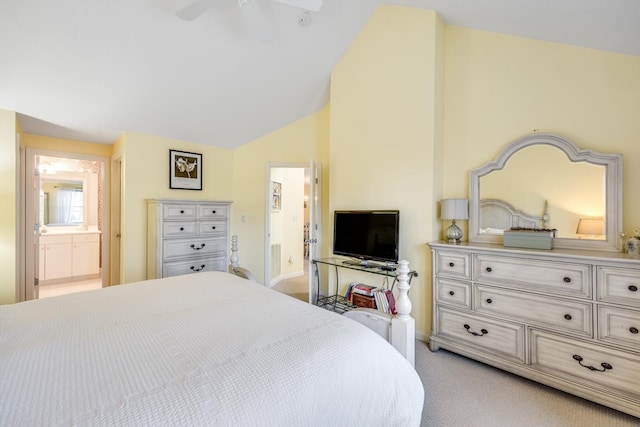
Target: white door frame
(31,238)
(313,217)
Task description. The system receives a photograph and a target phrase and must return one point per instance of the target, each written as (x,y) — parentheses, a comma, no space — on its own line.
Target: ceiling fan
(251,11)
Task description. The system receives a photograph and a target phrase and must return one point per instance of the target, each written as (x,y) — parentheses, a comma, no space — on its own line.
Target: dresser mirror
(546,181)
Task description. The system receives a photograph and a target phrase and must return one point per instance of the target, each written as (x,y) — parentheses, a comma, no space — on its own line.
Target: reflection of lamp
(454,209)
(591,228)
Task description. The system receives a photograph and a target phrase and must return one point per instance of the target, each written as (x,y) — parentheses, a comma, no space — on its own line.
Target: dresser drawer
(571,316)
(535,275)
(86,237)
(619,285)
(212,212)
(453,293)
(502,338)
(178,211)
(193,247)
(453,264)
(597,366)
(619,326)
(50,239)
(212,227)
(179,228)
(177,268)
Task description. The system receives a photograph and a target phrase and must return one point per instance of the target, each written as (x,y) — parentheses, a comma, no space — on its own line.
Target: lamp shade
(454,209)
(590,226)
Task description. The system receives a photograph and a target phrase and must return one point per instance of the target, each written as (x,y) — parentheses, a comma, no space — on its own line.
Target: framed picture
(276,197)
(185,170)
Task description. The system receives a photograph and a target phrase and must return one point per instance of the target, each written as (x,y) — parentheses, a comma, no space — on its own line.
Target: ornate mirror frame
(613,187)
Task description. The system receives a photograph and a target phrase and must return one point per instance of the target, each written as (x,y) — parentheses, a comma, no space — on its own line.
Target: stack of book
(360,289)
(385,301)
(383,298)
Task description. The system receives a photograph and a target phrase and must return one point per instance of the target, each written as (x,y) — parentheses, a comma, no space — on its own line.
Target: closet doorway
(292,227)
(67,223)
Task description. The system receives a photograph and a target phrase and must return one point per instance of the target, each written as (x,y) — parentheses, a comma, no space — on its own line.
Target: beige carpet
(460,392)
(297,287)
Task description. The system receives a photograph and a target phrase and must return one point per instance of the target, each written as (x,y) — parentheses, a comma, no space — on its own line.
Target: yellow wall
(9,172)
(384,138)
(500,88)
(414,106)
(66,145)
(299,142)
(146,176)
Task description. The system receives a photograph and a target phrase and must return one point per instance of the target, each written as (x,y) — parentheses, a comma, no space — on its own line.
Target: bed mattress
(203,349)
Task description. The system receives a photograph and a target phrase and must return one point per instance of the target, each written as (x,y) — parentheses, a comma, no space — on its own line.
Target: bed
(208,348)
(496,216)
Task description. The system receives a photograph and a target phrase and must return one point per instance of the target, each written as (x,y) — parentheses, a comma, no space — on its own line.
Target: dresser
(566,318)
(186,236)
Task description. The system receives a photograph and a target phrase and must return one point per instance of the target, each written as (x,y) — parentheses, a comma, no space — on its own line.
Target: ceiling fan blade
(310,5)
(256,20)
(194,9)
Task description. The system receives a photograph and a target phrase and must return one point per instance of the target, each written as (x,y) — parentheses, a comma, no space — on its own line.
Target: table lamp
(454,209)
(591,228)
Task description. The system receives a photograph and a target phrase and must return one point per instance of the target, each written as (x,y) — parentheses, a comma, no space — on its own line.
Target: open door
(276,231)
(314,238)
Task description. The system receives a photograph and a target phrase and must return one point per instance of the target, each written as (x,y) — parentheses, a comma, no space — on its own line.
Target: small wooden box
(363,301)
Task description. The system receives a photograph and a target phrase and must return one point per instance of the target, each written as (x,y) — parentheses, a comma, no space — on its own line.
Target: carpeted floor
(461,392)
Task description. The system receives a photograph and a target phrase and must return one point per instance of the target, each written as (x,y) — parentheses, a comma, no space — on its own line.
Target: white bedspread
(203,349)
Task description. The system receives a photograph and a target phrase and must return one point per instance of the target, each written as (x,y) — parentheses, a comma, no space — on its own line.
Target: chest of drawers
(566,318)
(186,236)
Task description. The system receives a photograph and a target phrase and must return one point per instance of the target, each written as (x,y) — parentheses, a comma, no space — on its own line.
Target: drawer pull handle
(452,293)
(604,365)
(198,269)
(567,280)
(633,330)
(213,227)
(489,269)
(181,212)
(451,264)
(197,249)
(633,288)
(181,228)
(489,300)
(213,212)
(567,316)
(483,331)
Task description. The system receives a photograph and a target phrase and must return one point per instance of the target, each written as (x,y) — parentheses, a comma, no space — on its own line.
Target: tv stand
(401,329)
(337,302)
(361,263)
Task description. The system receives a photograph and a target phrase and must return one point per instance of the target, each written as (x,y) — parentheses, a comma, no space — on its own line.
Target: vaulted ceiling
(90,70)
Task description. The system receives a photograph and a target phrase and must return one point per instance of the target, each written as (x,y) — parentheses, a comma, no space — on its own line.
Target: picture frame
(185,170)
(276,196)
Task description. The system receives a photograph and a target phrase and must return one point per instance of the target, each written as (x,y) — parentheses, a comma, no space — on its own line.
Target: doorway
(67,223)
(291,227)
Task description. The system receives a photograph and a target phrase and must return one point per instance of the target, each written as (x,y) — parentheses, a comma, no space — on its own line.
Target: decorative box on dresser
(566,318)
(186,236)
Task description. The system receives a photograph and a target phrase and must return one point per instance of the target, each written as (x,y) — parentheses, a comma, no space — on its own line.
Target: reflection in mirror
(542,176)
(546,181)
(62,202)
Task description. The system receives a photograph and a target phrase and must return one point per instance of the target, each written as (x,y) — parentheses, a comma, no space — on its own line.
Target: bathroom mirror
(548,177)
(63,200)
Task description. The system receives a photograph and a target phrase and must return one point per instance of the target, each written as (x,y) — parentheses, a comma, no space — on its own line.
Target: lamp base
(453,234)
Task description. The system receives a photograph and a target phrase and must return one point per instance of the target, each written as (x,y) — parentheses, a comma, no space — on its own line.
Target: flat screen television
(367,235)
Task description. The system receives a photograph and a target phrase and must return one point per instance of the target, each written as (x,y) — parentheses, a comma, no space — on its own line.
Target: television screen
(367,235)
